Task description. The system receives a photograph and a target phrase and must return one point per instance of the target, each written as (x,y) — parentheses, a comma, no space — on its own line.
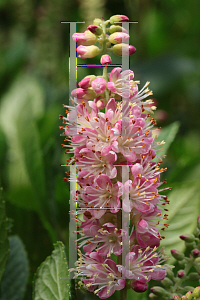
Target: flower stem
(123,294)
(186,270)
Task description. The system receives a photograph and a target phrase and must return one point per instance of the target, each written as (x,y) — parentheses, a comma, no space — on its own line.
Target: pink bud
(106,59)
(118,37)
(118,18)
(99,85)
(78,93)
(139,286)
(100,104)
(86,81)
(195,252)
(176,297)
(95,29)
(86,38)
(180,273)
(87,51)
(123,49)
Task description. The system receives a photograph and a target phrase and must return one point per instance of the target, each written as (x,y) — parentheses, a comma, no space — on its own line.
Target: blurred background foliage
(34,83)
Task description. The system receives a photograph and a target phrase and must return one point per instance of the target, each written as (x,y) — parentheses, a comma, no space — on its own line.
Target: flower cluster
(97,32)
(108,127)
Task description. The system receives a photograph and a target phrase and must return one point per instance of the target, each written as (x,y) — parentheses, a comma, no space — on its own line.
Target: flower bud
(183,298)
(117,28)
(87,51)
(153,296)
(196,292)
(166,282)
(106,59)
(198,222)
(177,254)
(197,260)
(180,273)
(86,38)
(95,29)
(97,21)
(99,85)
(189,295)
(100,104)
(117,19)
(86,81)
(189,238)
(176,297)
(138,286)
(159,291)
(193,276)
(123,49)
(170,274)
(187,289)
(195,252)
(118,37)
(78,93)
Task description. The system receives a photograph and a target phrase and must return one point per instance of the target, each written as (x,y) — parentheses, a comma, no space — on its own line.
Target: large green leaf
(16,274)
(4,247)
(167,134)
(25,90)
(28,138)
(184,208)
(52,279)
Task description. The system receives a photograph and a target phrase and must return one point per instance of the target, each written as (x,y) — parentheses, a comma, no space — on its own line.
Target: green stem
(186,270)
(123,294)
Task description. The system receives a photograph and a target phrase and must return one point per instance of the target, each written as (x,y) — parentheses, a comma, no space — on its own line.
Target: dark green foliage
(14,280)
(4,246)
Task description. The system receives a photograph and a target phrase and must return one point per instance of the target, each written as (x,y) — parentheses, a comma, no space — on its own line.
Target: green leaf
(51,280)
(25,93)
(184,209)
(28,138)
(16,274)
(4,246)
(167,134)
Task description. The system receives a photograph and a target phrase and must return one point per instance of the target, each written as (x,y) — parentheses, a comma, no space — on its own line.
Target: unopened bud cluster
(111,38)
(175,286)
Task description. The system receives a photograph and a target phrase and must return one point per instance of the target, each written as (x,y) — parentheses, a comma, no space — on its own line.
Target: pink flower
(144,264)
(103,194)
(119,79)
(95,162)
(99,85)
(105,277)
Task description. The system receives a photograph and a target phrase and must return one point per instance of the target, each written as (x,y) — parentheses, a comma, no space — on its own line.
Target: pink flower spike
(106,59)
(99,85)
